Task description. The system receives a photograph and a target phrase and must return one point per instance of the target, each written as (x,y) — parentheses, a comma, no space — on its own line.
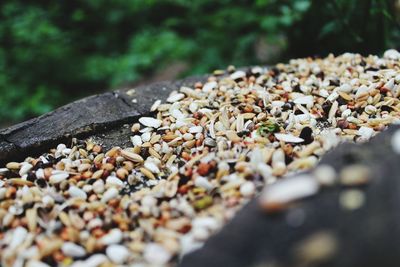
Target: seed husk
(132,156)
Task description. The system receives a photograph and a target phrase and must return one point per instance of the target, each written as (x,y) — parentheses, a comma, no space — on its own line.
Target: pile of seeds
(193,163)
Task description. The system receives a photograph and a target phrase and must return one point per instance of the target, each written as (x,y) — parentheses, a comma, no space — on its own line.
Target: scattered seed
(150,122)
(132,156)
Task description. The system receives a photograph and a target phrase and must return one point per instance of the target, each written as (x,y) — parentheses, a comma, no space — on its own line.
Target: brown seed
(132,156)
(97,174)
(232,136)
(31,216)
(203,168)
(19,182)
(13,165)
(127,165)
(122,173)
(147,173)
(135,128)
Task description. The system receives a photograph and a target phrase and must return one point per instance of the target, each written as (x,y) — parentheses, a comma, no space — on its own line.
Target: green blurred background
(53,52)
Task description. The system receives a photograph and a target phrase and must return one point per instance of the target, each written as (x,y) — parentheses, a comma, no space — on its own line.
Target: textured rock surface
(369,236)
(98,115)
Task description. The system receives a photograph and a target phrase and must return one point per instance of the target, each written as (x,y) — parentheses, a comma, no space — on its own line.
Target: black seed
(298,112)
(386,108)
(341,101)
(326,107)
(41,182)
(306,134)
(31,177)
(287,106)
(334,82)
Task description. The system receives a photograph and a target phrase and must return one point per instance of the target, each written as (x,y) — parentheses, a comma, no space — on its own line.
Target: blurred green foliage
(52,52)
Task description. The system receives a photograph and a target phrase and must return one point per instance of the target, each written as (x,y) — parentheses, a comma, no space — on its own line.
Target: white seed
(389,85)
(305,100)
(370,109)
(361,90)
(48,201)
(288,190)
(113,237)
(177,114)
(195,129)
(109,194)
(118,254)
(58,177)
(203,182)
(114,181)
(208,87)
(136,140)
(392,54)
(238,75)
(155,105)
(146,137)
(151,166)
(73,250)
(366,132)
(288,138)
(175,97)
(18,237)
(156,254)
(25,168)
(98,186)
(188,136)
(150,122)
(346,88)
(247,189)
(76,192)
(193,107)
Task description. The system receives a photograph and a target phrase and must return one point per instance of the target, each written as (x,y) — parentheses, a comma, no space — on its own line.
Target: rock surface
(98,115)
